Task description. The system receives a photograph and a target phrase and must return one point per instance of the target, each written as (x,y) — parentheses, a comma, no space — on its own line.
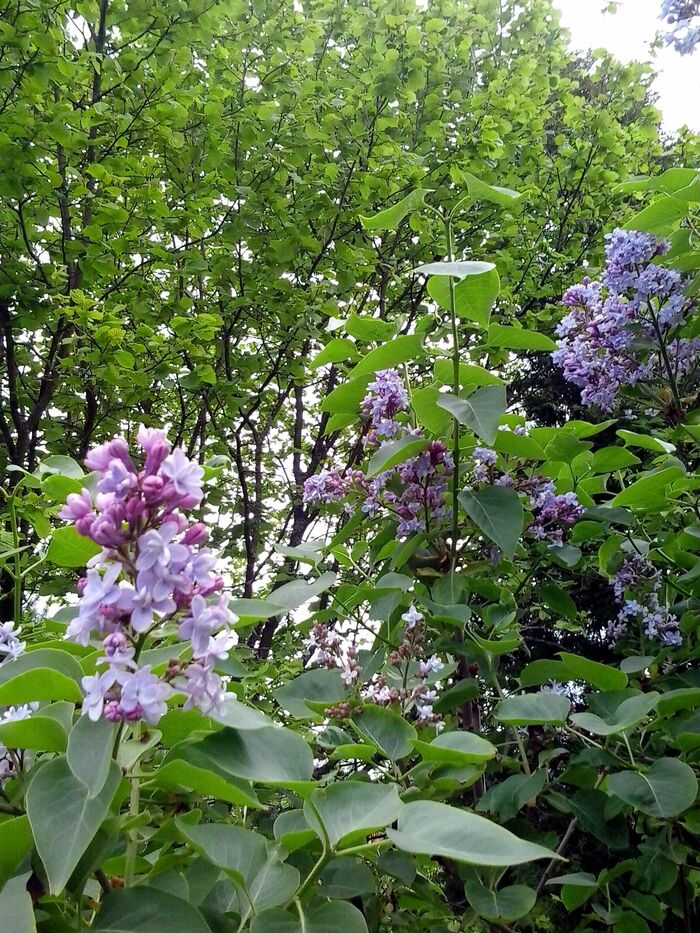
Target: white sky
(627,34)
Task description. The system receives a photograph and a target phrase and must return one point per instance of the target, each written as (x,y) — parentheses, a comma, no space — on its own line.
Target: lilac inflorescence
(683,18)
(152,575)
(414,493)
(636,585)
(615,329)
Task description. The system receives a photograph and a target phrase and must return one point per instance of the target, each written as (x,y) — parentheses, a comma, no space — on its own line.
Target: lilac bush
(637,586)
(153,579)
(624,331)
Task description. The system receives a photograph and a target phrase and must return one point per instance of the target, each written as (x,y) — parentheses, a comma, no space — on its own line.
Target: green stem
(324,857)
(518,740)
(455,389)
(132,840)
(666,361)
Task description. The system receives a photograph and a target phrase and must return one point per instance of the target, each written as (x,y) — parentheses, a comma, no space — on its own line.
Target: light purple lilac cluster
(152,575)
(552,512)
(11,647)
(683,17)
(410,687)
(624,330)
(636,585)
(414,492)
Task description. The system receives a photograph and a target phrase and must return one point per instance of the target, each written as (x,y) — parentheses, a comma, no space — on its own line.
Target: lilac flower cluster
(636,585)
(624,330)
(552,512)
(329,650)
(11,647)
(683,16)
(417,692)
(151,574)
(413,492)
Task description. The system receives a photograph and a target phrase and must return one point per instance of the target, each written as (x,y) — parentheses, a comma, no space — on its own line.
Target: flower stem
(455,389)
(132,840)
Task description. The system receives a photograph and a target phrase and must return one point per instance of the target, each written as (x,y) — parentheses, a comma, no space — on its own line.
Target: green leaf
(350,809)
(668,788)
(64,818)
(239,715)
(481,411)
(179,774)
(90,752)
(147,910)
(648,491)
(346,398)
(601,676)
(474,295)
(38,733)
(609,459)
(391,733)
(518,338)
(340,348)
(44,674)
(507,904)
(675,700)
(469,374)
(456,270)
(533,709)
(250,860)
(391,217)
(558,600)
(659,217)
(293,595)
(255,608)
(399,350)
(430,828)
(628,714)
(346,877)
(518,445)
(321,685)
(15,843)
(645,441)
(480,190)
(428,414)
(16,908)
(67,548)
(497,511)
(456,748)
(335,915)
(58,465)
(395,452)
(272,755)
(366,328)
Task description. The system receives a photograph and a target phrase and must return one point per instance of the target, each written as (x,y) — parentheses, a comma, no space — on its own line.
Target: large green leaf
(668,788)
(271,755)
(469,374)
(44,674)
(15,842)
(294,594)
(482,191)
(38,733)
(366,328)
(497,511)
(335,915)
(147,910)
(67,548)
(340,348)
(456,748)
(391,217)
(457,270)
(394,452)
(648,491)
(533,709)
(321,685)
(250,859)
(399,350)
(602,676)
(506,904)
(518,338)
(631,711)
(16,908)
(64,818)
(474,295)
(349,808)
(481,411)
(178,774)
(90,752)
(430,828)
(659,217)
(391,733)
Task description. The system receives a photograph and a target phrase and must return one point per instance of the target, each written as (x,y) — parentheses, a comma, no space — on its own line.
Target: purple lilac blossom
(11,647)
(151,575)
(604,340)
(637,585)
(386,397)
(683,18)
